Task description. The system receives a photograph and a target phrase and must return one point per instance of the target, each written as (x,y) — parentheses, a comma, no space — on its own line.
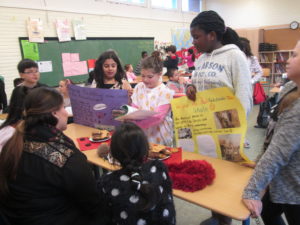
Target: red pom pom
(191,175)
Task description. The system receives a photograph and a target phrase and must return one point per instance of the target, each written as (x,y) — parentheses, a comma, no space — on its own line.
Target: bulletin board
(128,49)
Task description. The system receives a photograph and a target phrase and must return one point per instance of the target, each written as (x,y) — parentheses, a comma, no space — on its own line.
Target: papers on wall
(72,66)
(30,50)
(93,106)
(215,125)
(35,30)
(79,30)
(45,66)
(63,30)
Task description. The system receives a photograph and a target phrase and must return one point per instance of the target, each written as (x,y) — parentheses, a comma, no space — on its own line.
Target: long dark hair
(209,21)
(99,73)
(191,51)
(39,105)
(246,46)
(16,106)
(129,145)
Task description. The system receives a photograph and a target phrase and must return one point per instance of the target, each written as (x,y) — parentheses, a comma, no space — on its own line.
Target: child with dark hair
(141,191)
(222,64)
(151,94)
(129,73)
(175,83)
(190,59)
(172,59)
(109,72)
(138,67)
(255,67)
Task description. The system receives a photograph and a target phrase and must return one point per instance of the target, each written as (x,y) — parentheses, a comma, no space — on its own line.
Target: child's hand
(117,112)
(191,92)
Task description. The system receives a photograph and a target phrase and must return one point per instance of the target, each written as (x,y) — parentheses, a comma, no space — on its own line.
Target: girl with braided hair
(222,64)
(140,192)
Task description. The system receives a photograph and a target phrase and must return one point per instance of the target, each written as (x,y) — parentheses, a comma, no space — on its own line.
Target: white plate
(168,156)
(102,140)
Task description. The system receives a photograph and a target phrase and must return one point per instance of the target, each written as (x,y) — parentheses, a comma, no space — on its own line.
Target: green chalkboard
(128,49)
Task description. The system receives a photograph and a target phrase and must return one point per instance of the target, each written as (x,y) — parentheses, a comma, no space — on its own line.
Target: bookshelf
(275,61)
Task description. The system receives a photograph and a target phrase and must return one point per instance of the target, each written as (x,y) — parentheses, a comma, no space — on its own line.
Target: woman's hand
(254,206)
(249,164)
(191,92)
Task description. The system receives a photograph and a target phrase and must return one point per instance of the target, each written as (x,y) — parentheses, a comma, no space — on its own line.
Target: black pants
(271,213)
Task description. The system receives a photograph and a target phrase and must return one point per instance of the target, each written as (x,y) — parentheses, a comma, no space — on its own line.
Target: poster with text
(93,106)
(35,30)
(63,30)
(30,50)
(79,30)
(214,125)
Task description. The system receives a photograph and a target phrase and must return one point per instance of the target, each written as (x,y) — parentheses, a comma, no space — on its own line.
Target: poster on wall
(181,38)
(214,125)
(35,30)
(79,30)
(93,106)
(63,30)
(72,66)
(30,50)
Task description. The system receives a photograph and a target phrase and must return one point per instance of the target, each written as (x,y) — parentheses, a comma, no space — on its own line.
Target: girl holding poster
(153,95)
(222,64)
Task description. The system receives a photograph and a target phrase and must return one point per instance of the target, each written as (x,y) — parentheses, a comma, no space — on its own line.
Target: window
(136,2)
(166,4)
(191,5)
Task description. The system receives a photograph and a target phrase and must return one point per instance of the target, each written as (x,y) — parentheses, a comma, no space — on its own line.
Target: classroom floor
(190,214)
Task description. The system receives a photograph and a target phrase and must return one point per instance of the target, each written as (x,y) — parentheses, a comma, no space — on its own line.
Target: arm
(156,119)
(256,70)
(281,149)
(241,80)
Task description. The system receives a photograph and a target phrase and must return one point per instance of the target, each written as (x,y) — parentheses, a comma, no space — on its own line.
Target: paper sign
(35,30)
(91,63)
(63,30)
(215,125)
(93,106)
(74,57)
(74,68)
(79,30)
(66,57)
(45,66)
(30,50)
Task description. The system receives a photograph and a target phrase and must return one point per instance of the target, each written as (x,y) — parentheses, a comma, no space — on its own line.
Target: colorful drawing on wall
(35,30)
(72,66)
(93,106)
(63,30)
(215,125)
(79,30)
(181,38)
(30,50)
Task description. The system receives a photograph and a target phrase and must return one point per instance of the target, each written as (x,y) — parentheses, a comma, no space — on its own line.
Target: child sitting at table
(151,94)
(175,83)
(141,191)
(63,89)
(129,73)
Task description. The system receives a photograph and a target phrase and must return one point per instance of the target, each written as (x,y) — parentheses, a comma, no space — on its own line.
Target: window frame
(145,4)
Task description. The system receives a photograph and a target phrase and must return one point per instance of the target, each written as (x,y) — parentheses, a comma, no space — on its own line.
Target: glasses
(31,72)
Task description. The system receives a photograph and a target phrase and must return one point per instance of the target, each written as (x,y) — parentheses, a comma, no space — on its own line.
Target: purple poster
(93,106)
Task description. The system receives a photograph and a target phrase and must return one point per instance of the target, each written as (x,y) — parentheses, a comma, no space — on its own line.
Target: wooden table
(275,90)
(223,196)
(3,116)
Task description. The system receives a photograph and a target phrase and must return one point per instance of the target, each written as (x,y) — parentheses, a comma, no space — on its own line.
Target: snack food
(157,151)
(100,135)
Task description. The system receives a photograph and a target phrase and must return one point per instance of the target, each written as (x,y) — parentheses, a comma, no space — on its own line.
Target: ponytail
(10,158)
(231,37)
(154,63)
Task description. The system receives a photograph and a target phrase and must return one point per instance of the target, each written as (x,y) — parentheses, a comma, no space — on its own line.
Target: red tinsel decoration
(191,175)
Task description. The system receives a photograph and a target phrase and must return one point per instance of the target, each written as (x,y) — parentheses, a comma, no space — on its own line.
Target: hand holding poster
(214,125)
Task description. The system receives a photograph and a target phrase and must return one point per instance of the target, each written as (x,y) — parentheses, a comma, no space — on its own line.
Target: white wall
(102,19)
(256,13)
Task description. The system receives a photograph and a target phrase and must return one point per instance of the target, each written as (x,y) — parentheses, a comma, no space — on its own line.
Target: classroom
(164,102)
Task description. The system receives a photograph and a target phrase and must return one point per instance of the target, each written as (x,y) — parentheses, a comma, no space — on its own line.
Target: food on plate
(100,135)
(157,151)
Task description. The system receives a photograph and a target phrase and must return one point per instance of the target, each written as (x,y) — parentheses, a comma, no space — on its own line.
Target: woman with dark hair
(222,64)
(255,68)
(140,192)
(44,178)
(15,110)
(109,72)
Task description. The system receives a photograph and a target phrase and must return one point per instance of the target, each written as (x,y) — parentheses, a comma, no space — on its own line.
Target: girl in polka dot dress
(152,94)
(141,192)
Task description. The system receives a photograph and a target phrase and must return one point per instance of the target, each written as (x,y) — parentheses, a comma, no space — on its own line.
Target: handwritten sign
(214,125)
(93,106)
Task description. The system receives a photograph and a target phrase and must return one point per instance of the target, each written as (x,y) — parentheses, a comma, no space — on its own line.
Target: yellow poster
(214,125)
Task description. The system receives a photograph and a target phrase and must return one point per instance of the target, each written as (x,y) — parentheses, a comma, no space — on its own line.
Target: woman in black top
(44,178)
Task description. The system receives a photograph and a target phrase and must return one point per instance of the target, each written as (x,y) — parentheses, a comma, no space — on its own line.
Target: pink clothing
(130,76)
(158,128)
(176,86)
(189,60)
(5,134)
